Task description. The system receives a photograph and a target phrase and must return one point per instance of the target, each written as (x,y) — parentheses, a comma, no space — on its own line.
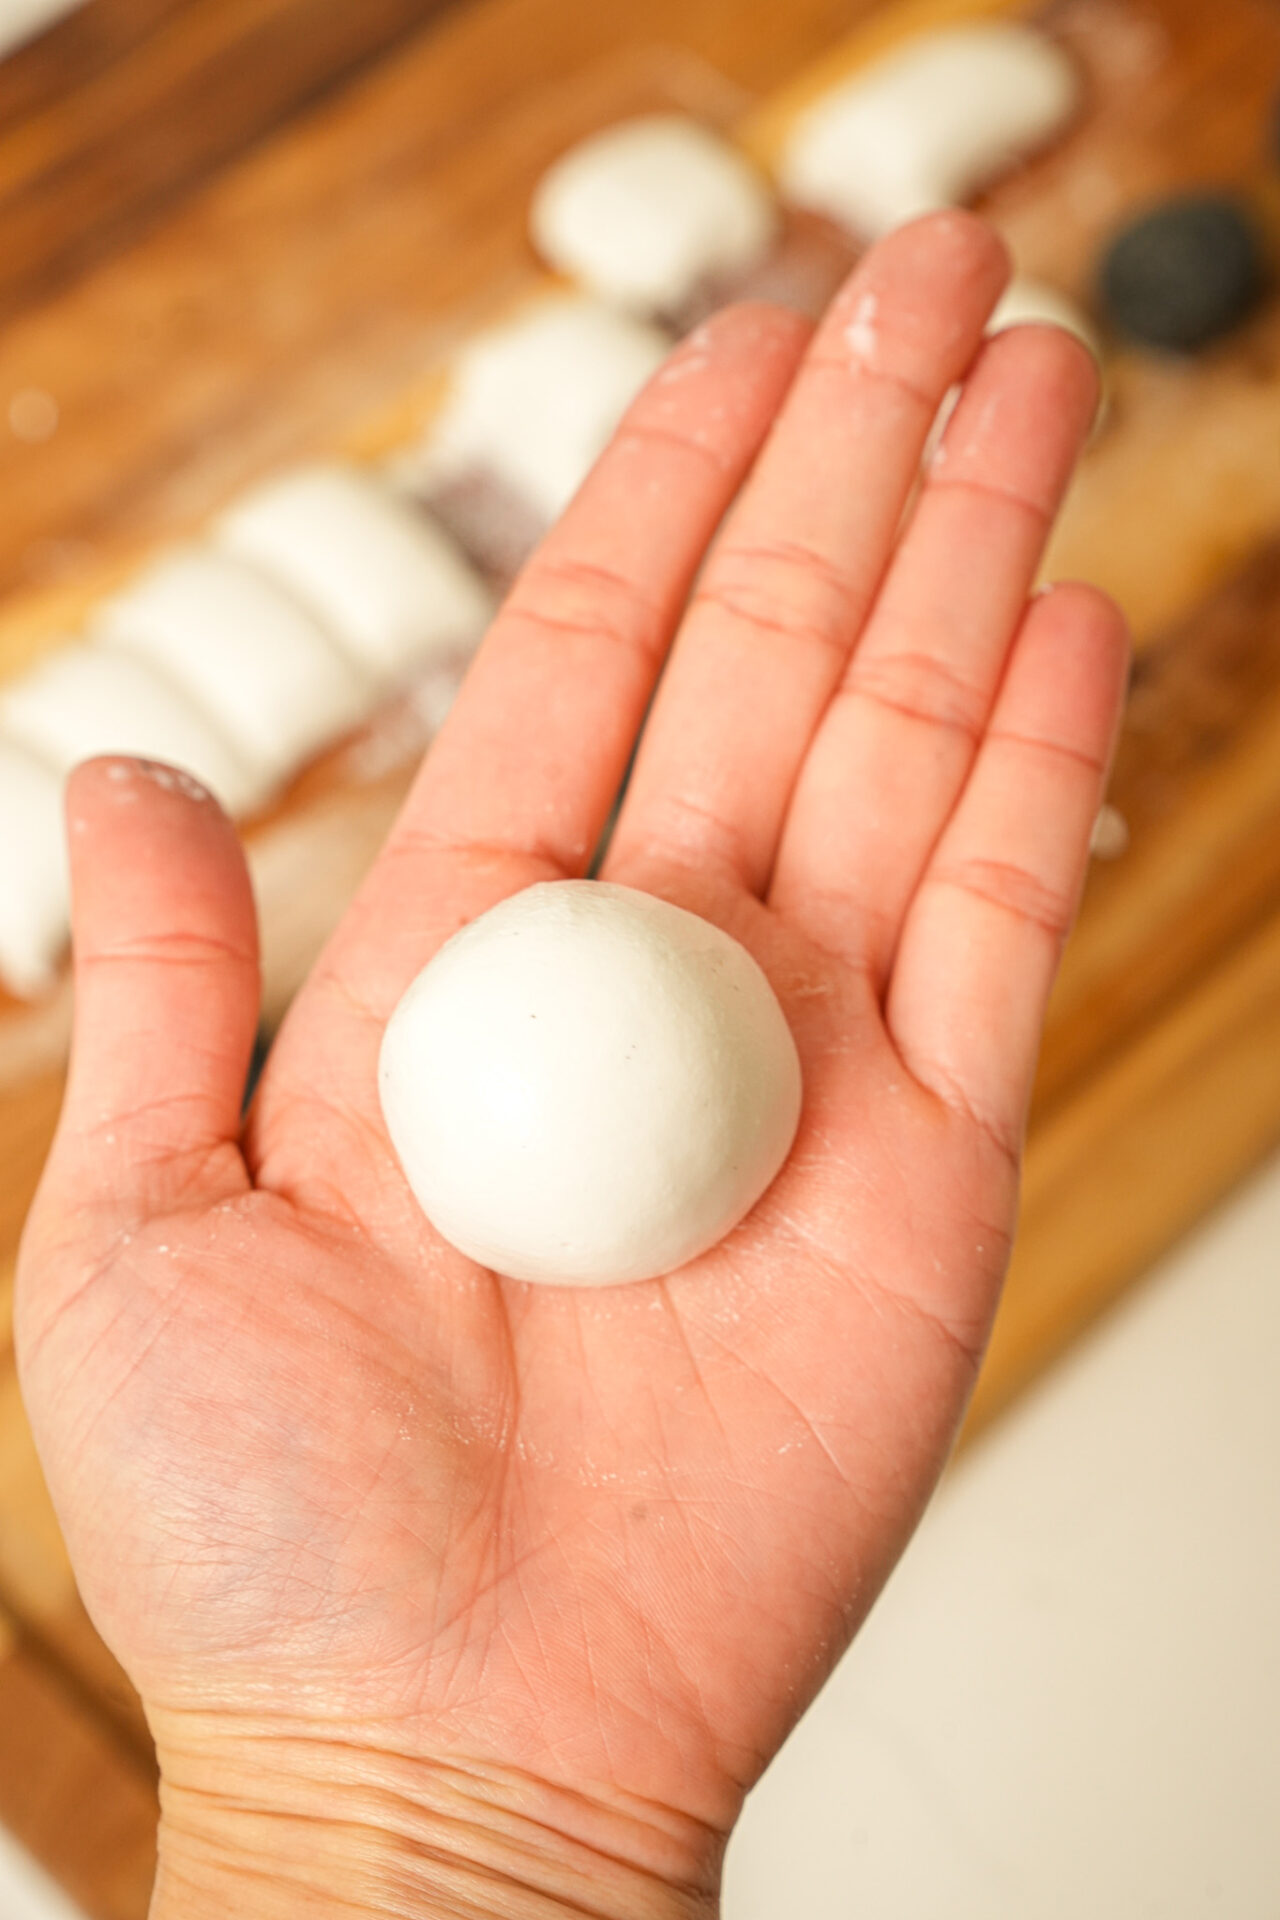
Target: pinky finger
(983,936)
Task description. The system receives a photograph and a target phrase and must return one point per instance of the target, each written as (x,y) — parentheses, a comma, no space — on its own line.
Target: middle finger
(792,576)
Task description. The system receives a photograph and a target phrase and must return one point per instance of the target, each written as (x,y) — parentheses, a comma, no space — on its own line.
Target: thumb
(165,946)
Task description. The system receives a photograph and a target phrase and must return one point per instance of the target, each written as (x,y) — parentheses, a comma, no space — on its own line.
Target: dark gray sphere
(1185,273)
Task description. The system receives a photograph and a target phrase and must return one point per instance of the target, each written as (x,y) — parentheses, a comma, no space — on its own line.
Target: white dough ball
(535,400)
(588,1085)
(1032,303)
(929,124)
(647,212)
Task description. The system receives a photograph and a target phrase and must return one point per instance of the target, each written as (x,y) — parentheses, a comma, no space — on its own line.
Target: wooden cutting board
(212,275)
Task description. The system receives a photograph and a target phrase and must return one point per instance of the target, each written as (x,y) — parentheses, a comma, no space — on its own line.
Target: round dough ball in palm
(588,1085)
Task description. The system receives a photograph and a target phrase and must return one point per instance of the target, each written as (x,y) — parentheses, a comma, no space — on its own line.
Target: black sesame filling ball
(1184,273)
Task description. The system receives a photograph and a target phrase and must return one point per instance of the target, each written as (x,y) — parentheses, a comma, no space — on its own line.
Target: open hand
(443,1588)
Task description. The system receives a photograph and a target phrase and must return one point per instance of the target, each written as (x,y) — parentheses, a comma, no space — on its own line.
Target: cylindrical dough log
(85,700)
(588,1085)
(34,912)
(928,125)
(244,650)
(648,211)
(535,401)
(389,585)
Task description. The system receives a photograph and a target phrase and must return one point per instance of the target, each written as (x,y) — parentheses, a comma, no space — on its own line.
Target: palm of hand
(304,1450)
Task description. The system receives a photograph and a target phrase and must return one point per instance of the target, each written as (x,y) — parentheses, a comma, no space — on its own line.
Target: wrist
(270,1826)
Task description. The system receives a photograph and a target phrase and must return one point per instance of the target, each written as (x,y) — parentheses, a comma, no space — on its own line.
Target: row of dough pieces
(321,594)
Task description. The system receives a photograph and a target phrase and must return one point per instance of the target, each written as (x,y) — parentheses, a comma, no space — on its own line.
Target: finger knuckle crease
(597,624)
(178,948)
(561,572)
(690,829)
(414,843)
(1056,749)
(1012,889)
(1000,1137)
(990,493)
(745,564)
(846,367)
(771,615)
(647,433)
(922,688)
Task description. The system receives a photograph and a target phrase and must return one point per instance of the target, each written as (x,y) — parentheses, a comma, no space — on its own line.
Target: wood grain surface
(233,232)
(81,179)
(77,1798)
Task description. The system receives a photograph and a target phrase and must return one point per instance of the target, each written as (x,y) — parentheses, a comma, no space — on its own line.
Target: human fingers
(982,938)
(521,780)
(899,738)
(789,582)
(165,952)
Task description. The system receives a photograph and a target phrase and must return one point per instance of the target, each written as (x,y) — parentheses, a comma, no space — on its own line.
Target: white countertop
(1068,1700)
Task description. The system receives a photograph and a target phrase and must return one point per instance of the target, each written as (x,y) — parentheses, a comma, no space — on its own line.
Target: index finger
(520,782)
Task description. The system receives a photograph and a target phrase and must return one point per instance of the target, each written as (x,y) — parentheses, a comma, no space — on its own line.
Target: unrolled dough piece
(381,577)
(87,700)
(34,911)
(929,125)
(649,211)
(535,401)
(247,652)
(1030,302)
(588,1085)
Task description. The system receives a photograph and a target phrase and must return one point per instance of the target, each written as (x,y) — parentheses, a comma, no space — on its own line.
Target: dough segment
(388,583)
(646,212)
(85,700)
(928,125)
(1031,302)
(534,401)
(245,651)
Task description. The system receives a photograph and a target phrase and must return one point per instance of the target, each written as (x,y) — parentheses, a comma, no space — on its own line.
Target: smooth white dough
(86,700)
(1028,302)
(929,124)
(1024,303)
(34,899)
(648,211)
(246,651)
(389,584)
(588,1085)
(535,401)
